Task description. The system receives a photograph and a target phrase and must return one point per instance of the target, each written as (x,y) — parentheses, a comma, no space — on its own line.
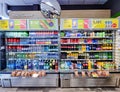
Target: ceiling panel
(32,1)
(102,1)
(76,1)
(63,2)
(91,1)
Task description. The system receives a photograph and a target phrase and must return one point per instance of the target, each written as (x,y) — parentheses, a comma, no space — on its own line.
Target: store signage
(105,23)
(19,24)
(43,24)
(4,25)
(74,24)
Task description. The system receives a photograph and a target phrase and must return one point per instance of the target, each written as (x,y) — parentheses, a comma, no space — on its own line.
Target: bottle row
(33,34)
(31,41)
(32,49)
(86,34)
(66,65)
(84,41)
(32,55)
(96,55)
(63,34)
(87,47)
(24,64)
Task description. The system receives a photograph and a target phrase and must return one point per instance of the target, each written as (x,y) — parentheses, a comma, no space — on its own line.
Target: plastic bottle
(89,65)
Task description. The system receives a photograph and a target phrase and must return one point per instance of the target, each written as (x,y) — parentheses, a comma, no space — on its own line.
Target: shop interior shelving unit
(82,46)
(87,45)
(32,45)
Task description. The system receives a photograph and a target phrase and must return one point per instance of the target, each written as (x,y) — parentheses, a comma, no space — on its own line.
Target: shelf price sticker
(19,24)
(4,25)
(43,24)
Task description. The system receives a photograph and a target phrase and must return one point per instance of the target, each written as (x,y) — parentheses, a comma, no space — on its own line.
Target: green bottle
(62,34)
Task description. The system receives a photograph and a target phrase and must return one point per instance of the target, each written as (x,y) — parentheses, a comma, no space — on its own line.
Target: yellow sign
(80,24)
(4,25)
(67,24)
(105,23)
(98,23)
(111,23)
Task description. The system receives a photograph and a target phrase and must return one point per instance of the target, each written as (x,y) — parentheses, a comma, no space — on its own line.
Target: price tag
(4,25)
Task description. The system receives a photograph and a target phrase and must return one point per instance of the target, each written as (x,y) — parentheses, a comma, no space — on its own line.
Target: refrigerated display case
(32,49)
(87,46)
(37,54)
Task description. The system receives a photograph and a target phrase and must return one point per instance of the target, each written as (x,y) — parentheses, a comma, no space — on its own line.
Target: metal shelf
(32,58)
(89,51)
(73,51)
(35,37)
(86,37)
(86,59)
(31,44)
(84,43)
(100,51)
(30,52)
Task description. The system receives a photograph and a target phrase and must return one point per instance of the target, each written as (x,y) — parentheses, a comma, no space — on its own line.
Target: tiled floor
(59,89)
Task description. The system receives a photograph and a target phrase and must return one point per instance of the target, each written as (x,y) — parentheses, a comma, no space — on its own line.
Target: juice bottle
(89,65)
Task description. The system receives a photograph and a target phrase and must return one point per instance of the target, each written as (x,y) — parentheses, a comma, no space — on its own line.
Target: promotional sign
(4,25)
(111,23)
(74,23)
(105,23)
(43,24)
(18,24)
(67,24)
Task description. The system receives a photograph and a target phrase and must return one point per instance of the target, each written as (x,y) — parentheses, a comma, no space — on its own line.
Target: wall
(114,5)
(64,14)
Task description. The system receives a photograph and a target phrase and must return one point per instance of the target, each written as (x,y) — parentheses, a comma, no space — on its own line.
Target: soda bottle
(56,65)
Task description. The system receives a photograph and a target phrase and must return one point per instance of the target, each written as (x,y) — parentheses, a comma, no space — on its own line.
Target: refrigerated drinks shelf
(31,44)
(87,59)
(88,51)
(84,43)
(86,37)
(34,37)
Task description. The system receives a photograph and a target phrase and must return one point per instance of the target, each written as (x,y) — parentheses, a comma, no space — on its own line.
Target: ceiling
(62,2)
